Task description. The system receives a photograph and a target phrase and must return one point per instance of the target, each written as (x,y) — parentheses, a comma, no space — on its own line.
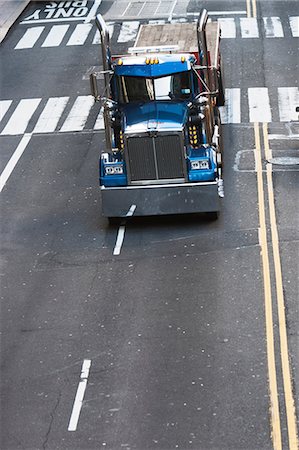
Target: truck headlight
(200,164)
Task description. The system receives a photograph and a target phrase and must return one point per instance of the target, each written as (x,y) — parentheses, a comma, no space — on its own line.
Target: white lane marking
(80,34)
(30,37)
(231,112)
(14,159)
(128,31)
(121,232)
(273,27)
(259,105)
(249,28)
(4,106)
(21,116)
(93,10)
(126,9)
(50,115)
(79,395)
(119,240)
(288,99)
(172,10)
(228,27)
(55,36)
(219,13)
(294,23)
(78,115)
(97,36)
(99,125)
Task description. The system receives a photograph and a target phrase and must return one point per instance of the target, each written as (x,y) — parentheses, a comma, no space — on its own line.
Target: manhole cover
(285,161)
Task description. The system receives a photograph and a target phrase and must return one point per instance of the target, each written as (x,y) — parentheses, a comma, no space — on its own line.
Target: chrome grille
(155,158)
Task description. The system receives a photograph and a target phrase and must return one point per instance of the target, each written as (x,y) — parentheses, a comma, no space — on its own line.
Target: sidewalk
(9,12)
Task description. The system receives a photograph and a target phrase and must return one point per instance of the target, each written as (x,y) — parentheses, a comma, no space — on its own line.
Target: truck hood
(154,116)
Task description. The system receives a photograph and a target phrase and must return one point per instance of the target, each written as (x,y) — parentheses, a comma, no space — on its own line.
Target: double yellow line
(251,8)
(261,131)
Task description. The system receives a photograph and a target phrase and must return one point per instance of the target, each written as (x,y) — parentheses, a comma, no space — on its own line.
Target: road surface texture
(185,336)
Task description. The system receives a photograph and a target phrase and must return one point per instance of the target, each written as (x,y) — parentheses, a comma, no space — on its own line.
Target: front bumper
(160,199)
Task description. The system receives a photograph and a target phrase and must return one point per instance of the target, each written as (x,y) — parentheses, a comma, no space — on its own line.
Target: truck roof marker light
(183,59)
(156,61)
(147,61)
(120,62)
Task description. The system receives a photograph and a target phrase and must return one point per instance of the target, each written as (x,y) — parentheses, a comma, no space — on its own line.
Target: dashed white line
(228,27)
(121,232)
(20,118)
(30,38)
(14,159)
(78,114)
(4,106)
(80,34)
(288,99)
(249,27)
(259,105)
(51,114)
(273,27)
(79,395)
(55,36)
(294,23)
(231,112)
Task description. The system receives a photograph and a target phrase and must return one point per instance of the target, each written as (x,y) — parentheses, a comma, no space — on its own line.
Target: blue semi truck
(163,150)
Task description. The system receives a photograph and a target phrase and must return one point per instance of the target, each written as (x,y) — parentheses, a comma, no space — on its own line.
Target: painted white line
(93,11)
(78,115)
(55,36)
(172,9)
(97,36)
(14,159)
(80,34)
(231,112)
(30,37)
(259,105)
(288,99)
(21,116)
(128,31)
(283,136)
(219,13)
(51,114)
(249,28)
(129,4)
(99,125)
(121,232)
(4,106)
(228,27)
(273,27)
(79,395)
(119,240)
(294,23)
(60,19)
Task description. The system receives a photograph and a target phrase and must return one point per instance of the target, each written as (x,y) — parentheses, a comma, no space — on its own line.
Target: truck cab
(162,123)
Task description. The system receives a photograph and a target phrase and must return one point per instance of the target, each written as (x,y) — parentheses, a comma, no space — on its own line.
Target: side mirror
(94,87)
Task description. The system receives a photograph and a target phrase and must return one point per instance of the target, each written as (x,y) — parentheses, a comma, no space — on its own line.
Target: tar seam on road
(14,160)
(283,343)
(284,353)
(79,395)
(274,406)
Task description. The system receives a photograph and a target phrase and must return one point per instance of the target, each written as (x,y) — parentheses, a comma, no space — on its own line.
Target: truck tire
(113,221)
(214,215)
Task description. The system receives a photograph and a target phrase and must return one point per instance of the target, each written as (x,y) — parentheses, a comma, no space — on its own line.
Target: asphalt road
(175,328)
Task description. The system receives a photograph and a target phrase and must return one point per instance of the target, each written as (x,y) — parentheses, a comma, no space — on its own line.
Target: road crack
(52,414)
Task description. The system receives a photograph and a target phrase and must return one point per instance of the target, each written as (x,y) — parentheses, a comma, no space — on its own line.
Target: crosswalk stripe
(4,106)
(78,115)
(288,99)
(30,38)
(20,118)
(249,27)
(128,31)
(80,34)
(55,36)
(228,27)
(259,105)
(231,112)
(50,115)
(294,23)
(99,125)
(97,36)
(273,27)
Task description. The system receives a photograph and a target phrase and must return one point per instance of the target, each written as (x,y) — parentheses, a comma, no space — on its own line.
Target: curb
(8,18)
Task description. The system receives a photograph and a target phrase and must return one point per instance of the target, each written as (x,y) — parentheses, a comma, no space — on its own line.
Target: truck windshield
(140,89)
